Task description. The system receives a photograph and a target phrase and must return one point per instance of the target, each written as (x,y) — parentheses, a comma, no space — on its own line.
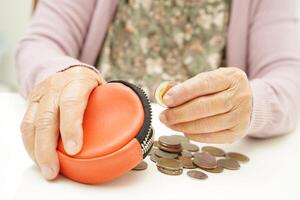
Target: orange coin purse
(117,134)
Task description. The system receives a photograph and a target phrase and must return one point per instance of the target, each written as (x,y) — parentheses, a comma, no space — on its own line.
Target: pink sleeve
(53,40)
(274,68)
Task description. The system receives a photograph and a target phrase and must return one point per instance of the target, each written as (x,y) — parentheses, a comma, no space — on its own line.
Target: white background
(273,172)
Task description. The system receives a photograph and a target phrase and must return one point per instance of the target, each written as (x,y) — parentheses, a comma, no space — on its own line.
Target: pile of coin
(172,154)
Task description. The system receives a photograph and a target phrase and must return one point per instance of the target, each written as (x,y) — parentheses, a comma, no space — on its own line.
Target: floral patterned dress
(151,41)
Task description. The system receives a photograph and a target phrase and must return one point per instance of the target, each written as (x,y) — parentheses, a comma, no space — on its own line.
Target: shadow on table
(32,173)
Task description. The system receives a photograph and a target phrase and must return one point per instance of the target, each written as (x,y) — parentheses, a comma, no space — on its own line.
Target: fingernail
(162,118)
(71,147)
(47,172)
(167,99)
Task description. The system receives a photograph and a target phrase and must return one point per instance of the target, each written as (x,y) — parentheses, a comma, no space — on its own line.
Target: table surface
(272,173)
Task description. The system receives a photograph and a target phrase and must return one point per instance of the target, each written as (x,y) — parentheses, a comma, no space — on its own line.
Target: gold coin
(181,138)
(186,154)
(197,174)
(190,147)
(205,160)
(170,172)
(218,169)
(227,163)
(169,164)
(161,90)
(141,166)
(169,149)
(238,157)
(169,141)
(214,151)
(155,143)
(163,154)
(187,162)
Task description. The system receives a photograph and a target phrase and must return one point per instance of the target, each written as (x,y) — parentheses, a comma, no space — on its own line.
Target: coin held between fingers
(161,93)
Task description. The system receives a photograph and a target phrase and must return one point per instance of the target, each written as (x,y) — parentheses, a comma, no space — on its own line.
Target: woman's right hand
(56,106)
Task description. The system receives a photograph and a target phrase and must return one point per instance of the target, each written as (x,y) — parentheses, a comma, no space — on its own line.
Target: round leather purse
(117,134)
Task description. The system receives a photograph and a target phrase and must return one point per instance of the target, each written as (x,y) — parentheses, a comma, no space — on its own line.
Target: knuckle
(242,74)
(45,121)
(244,99)
(226,101)
(206,82)
(238,74)
(70,101)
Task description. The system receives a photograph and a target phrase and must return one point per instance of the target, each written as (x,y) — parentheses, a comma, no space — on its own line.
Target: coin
(170,149)
(152,151)
(228,164)
(205,160)
(162,154)
(190,147)
(187,162)
(214,151)
(218,169)
(141,166)
(197,174)
(169,141)
(170,172)
(169,164)
(181,138)
(186,154)
(174,153)
(161,90)
(238,157)
(154,158)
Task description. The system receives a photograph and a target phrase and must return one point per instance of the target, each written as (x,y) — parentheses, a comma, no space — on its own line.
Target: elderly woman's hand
(212,107)
(56,106)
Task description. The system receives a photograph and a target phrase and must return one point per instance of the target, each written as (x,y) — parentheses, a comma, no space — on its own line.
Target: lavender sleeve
(274,68)
(59,28)
(53,40)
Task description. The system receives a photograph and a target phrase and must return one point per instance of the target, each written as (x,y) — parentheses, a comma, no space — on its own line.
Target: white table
(272,173)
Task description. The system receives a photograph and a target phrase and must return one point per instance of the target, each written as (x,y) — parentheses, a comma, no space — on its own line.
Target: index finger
(203,84)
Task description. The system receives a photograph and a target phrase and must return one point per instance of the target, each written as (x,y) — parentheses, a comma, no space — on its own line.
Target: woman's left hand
(212,107)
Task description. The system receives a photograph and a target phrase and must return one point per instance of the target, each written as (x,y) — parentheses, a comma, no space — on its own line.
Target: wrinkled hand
(212,107)
(56,106)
